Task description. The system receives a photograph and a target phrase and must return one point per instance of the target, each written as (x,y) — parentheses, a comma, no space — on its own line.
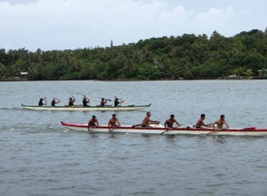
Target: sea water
(40,157)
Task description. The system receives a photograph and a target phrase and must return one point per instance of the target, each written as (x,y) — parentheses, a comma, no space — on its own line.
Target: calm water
(40,157)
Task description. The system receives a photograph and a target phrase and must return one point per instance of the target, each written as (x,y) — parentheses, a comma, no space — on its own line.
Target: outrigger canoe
(89,108)
(161,130)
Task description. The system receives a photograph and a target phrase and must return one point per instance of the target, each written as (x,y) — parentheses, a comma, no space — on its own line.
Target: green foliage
(187,56)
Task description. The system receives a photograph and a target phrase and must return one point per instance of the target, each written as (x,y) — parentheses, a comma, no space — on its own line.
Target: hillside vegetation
(182,57)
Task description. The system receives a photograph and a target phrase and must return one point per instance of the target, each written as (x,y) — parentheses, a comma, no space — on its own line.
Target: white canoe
(89,108)
(161,130)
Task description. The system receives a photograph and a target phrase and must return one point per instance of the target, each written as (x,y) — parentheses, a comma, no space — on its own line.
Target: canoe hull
(91,108)
(160,130)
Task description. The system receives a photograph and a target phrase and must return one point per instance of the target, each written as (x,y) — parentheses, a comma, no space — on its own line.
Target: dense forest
(182,57)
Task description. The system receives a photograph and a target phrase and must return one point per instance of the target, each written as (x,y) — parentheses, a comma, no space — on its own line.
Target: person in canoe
(169,123)
(93,121)
(54,101)
(117,101)
(113,122)
(147,120)
(41,101)
(220,123)
(71,101)
(85,101)
(200,123)
(103,102)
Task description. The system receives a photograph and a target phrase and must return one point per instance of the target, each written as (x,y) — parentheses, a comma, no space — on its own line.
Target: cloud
(222,20)
(71,24)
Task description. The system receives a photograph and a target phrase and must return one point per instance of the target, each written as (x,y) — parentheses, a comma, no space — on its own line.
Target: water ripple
(40,157)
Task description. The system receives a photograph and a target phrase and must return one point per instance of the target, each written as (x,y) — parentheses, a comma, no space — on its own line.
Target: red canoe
(161,130)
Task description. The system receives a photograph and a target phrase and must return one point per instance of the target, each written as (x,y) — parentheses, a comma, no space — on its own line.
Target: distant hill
(183,57)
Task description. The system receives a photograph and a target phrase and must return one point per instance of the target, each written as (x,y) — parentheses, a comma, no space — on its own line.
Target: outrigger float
(161,130)
(88,108)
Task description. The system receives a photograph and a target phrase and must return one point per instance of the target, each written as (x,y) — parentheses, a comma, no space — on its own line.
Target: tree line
(183,57)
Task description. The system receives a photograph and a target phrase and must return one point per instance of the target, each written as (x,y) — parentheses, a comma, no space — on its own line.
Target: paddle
(122,101)
(85,101)
(216,130)
(89,100)
(57,99)
(211,132)
(110,129)
(72,102)
(54,101)
(168,128)
(42,101)
(105,99)
(90,128)
(164,131)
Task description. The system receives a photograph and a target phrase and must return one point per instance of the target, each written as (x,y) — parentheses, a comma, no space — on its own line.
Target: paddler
(54,101)
(71,101)
(220,123)
(114,121)
(85,101)
(169,123)
(93,121)
(200,123)
(103,102)
(41,101)
(147,120)
(117,102)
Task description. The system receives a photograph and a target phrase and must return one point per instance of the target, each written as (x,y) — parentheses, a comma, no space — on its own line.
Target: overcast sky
(72,24)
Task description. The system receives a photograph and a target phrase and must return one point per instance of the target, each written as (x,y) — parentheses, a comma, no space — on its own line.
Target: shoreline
(125,80)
